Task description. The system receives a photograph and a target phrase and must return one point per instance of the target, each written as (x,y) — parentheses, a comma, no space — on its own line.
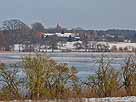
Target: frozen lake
(84,62)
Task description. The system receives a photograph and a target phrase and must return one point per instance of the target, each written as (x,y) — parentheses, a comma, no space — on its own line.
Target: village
(17,36)
(72,42)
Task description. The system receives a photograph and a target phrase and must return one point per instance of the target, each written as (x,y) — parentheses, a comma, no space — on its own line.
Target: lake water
(86,63)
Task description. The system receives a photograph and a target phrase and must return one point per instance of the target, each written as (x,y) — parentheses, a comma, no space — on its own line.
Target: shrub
(129,75)
(46,78)
(43,78)
(9,82)
(106,80)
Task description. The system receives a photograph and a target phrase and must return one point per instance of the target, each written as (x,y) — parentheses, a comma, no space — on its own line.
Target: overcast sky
(89,14)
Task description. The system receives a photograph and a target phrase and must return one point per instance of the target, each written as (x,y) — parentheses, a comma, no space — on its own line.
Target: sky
(88,14)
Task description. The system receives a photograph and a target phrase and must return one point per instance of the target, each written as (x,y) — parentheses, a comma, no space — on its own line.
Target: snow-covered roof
(49,34)
(60,35)
(65,34)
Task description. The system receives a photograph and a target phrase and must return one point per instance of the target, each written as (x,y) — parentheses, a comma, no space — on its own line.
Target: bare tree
(37,27)
(2,41)
(85,41)
(53,42)
(16,31)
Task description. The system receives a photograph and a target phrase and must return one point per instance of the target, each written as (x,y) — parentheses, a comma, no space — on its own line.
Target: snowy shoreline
(107,99)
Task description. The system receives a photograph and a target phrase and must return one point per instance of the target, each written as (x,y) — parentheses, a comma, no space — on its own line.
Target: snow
(108,99)
(18,47)
(48,34)
(60,35)
(112,99)
(65,34)
(118,44)
(70,45)
(123,44)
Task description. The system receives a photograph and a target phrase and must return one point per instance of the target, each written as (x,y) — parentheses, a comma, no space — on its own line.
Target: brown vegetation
(43,78)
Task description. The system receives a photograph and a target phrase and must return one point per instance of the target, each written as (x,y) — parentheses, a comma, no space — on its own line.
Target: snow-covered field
(108,99)
(112,99)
